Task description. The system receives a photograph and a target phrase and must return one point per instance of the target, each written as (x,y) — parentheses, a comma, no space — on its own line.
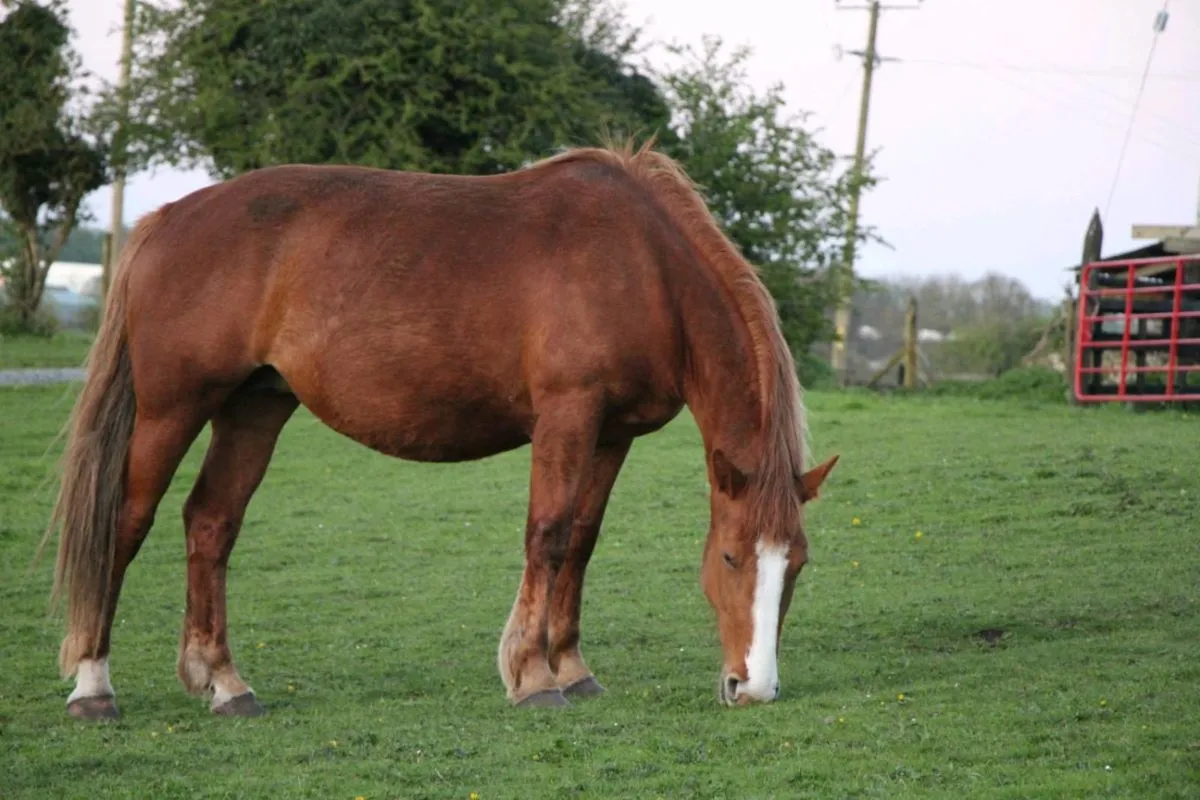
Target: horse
(571,305)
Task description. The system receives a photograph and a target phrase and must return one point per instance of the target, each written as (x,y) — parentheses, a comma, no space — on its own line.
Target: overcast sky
(999,130)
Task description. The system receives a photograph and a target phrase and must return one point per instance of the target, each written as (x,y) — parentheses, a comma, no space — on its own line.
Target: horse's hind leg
(157,446)
(571,672)
(244,432)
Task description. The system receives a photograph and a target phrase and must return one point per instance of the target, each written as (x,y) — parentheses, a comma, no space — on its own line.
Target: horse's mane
(784,423)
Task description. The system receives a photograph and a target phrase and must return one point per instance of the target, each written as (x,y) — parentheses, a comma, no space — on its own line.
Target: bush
(1031,384)
(43,324)
(992,347)
(88,318)
(815,372)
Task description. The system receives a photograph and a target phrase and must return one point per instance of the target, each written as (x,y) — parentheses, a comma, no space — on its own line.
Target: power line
(1100,95)
(1088,98)
(1168,135)
(1049,69)
(1160,24)
(841,96)
(1172,129)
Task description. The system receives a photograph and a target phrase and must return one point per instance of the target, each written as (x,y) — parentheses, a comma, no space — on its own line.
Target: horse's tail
(92,487)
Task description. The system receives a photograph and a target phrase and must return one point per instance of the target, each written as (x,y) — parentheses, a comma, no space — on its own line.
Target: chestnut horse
(573,305)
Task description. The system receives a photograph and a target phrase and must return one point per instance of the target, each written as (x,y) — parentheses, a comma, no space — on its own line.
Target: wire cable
(1103,106)
(1049,69)
(1133,113)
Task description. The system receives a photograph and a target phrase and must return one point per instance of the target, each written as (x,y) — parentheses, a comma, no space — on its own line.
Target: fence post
(105,264)
(1093,242)
(910,344)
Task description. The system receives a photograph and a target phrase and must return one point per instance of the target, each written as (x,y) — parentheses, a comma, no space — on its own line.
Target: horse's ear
(729,479)
(810,482)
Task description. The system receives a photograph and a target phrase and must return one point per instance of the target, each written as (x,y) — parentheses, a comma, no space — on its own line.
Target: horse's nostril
(731,687)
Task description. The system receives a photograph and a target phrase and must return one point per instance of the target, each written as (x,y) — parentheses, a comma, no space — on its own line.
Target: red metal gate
(1154,304)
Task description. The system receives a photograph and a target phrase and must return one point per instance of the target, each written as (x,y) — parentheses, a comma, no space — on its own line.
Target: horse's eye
(730,561)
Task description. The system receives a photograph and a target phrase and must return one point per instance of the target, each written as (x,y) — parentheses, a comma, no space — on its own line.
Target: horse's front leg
(571,672)
(564,440)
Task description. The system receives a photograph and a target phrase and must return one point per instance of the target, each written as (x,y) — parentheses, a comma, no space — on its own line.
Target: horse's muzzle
(733,691)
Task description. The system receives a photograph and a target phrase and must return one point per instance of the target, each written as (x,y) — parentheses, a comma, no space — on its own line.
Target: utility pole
(871,59)
(118,188)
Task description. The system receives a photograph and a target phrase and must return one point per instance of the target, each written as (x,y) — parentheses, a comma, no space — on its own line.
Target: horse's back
(407,308)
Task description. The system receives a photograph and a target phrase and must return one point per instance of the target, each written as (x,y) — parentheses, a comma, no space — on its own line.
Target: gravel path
(28,377)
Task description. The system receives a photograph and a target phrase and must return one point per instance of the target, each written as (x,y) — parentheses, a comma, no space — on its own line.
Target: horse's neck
(722,384)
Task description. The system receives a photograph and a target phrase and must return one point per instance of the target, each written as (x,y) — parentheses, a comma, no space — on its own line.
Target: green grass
(367,595)
(1025,384)
(63,349)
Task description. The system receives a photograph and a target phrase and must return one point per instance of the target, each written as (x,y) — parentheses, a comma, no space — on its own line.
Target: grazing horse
(573,305)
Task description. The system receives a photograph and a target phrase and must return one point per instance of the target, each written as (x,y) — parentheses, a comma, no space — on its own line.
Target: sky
(998,129)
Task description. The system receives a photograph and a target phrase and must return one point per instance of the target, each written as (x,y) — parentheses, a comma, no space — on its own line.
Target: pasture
(66,348)
(1001,602)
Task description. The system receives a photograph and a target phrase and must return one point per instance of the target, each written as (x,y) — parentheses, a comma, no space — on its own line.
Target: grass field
(1038,637)
(63,349)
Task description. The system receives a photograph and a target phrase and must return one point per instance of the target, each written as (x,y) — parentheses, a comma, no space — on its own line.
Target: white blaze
(762,665)
(91,680)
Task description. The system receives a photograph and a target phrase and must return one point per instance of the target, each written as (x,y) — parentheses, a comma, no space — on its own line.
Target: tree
(462,86)
(780,196)
(48,164)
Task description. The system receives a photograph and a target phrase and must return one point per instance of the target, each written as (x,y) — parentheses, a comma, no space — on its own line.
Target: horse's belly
(442,434)
(435,442)
(418,421)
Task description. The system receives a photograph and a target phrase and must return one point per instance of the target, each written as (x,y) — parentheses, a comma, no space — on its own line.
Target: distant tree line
(990,323)
(453,86)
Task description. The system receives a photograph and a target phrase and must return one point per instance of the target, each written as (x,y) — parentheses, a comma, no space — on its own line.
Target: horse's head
(756,547)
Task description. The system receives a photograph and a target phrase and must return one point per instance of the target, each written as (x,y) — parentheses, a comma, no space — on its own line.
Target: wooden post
(1069,327)
(117,226)
(838,356)
(910,344)
(885,369)
(105,263)
(907,358)
(1093,240)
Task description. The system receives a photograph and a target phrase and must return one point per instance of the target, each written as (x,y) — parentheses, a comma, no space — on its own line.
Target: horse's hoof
(94,709)
(244,705)
(587,687)
(547,698)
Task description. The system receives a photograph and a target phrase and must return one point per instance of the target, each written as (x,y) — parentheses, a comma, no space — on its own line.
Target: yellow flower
(474,795)
(1103,702)
(261,645)
(900,697)
(360,797)
(291,687)
(854,564)
(333,742)
(841,720)
(918,535)
(856,521)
